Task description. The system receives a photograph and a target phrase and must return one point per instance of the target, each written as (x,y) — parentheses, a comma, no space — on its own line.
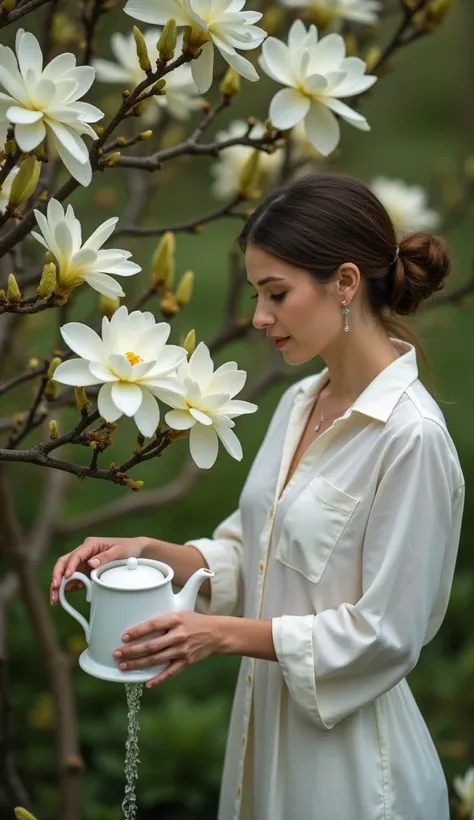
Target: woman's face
(300,316)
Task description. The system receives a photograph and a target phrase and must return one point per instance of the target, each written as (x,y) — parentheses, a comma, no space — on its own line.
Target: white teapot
(123,594)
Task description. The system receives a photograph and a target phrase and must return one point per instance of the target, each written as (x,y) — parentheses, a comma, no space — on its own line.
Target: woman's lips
(280,342)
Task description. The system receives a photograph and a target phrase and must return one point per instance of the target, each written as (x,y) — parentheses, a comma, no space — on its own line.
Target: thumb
(110,554)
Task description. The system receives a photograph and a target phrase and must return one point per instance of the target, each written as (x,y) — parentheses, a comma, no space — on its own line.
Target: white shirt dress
(353,561)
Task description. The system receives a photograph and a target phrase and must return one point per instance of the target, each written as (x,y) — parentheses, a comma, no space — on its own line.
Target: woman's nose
(262,318)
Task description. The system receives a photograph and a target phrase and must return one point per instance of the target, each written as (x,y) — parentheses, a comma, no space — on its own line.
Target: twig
(16,14)
(190,226)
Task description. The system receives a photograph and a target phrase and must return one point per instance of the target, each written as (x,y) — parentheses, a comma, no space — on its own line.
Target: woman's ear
(348,281)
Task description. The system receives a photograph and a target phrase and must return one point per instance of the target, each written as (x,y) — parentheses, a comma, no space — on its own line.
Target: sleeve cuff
(293,640)
(226,584)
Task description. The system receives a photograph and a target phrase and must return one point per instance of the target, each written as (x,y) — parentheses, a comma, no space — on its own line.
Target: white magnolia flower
(317,74)
(42,101)
(358,11)
(220,23)
(406,205)
(132,361)
(5,188)
(464,787)
(206,406)
(181,96)
(228,168)
(79,262)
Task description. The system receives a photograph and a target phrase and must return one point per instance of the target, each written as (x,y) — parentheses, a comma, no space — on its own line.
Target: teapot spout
(186,598)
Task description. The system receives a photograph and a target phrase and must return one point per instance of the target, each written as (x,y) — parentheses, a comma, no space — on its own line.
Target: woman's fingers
(173,669)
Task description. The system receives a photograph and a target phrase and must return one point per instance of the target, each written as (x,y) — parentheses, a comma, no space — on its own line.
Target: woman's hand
(90,555)
(188,638)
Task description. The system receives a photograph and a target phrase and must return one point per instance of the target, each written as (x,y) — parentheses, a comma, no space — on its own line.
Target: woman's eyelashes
(276,297)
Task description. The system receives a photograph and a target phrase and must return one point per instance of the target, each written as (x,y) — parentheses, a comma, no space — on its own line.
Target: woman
(341,555)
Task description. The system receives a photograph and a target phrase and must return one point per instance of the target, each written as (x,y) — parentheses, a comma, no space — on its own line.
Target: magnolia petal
(328,54)
(76,373)
(201,366)
(83,259)
(29,136)
(147,417)
(241,65)
(322,128)
(104,284)
(12,80)
(106,406)
(348,114)
(25,116)
(121,366)
(83,76)
(203,68)
(170,359)
(230,442)
(109,72)
(100,371)
(127,397)
(229,381)
(275,54)
(101,234)
(125,268)
(203,446)
(288,107)
(179,420)
(237,408)
(83,340)
(87,112)
(156,13)
(201,417)
(44,94)
(82,172)
(193,392)
(169,397)
(72,143)
(151,342)
(59,66)
(63,238)
(30,56)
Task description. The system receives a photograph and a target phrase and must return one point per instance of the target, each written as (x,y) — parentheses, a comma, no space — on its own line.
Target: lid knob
(132,563)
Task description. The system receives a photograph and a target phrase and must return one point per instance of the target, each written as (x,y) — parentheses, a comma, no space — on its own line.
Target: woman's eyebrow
(266,280)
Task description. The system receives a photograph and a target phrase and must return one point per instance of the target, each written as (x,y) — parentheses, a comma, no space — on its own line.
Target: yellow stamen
(133,358)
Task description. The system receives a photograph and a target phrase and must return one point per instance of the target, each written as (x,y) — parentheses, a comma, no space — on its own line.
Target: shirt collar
(383,393)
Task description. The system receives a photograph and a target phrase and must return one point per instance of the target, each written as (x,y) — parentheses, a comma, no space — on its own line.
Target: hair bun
(420,271)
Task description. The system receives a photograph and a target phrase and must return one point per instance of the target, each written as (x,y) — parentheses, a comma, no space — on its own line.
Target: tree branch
(190,226)
(18,13)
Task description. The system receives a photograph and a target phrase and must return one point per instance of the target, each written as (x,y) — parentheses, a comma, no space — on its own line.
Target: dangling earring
(346,311)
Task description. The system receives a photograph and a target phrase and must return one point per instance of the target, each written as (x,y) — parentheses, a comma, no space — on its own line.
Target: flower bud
(82,401)
(372,58)
(159,88)
(142,51)
(25,181)
(13,291)
(108,306)
(436,11)
(8,5)
(184,291)
(134,485)
(53,429)
(166,45)
(169,306)
(194,38)
(230,85)
(111,159)
(145,135)
(54,363)
(189,343)
(249,173)
(2,296)
(162,263)
(10,147)
(23,814)
(48,281)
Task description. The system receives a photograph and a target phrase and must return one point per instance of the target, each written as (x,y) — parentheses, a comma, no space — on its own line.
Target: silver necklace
(317,426)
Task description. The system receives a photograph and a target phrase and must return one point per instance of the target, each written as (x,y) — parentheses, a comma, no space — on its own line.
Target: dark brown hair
(320,221)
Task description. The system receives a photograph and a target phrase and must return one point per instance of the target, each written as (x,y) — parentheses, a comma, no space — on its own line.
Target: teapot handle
(67,606)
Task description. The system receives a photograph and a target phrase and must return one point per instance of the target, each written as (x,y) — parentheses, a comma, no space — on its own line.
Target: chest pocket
(312,527)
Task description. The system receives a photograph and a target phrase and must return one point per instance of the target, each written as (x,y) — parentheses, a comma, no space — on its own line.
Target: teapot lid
(131,575)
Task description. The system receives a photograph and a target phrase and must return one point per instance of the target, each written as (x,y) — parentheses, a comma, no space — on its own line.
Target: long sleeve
(224,555)
(340,659)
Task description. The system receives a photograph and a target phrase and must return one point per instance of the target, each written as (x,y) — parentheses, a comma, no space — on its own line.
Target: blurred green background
(422,119)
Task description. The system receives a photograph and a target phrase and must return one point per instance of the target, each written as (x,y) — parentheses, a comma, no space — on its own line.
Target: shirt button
(261,566)
(249,678)
(238,791)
